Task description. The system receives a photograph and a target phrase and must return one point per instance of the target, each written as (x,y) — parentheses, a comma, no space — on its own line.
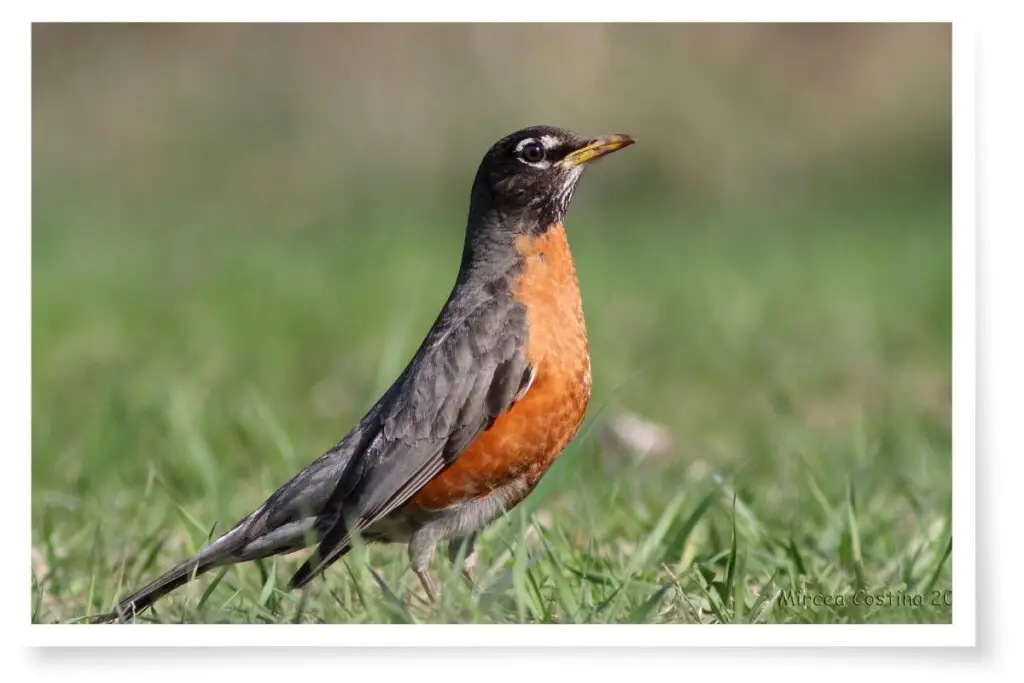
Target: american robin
(496,391)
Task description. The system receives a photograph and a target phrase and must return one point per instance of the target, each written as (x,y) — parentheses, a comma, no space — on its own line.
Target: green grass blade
(392,602)
(674,548)
(209,589)
(855,550)
(642,613)
(937,571)
(730,571)
(765,599)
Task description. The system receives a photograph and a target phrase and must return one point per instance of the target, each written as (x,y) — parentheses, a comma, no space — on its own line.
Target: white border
(471,635)
(964,334)
(961,632)
(522,11)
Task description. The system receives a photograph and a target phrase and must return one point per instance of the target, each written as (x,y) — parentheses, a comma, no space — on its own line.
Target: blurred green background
(241,233)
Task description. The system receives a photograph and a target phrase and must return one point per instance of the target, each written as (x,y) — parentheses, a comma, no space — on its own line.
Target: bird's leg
(467,569)
(421,550)
(429,585)
(470,561)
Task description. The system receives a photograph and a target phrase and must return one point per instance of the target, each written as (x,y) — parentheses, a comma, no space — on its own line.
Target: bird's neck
(489,250)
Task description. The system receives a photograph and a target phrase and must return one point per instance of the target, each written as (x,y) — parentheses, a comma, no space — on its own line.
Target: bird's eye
(532,152)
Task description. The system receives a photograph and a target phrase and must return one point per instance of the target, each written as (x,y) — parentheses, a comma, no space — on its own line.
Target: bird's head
(528,178)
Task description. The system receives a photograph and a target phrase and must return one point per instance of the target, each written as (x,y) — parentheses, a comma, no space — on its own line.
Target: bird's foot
(429,585)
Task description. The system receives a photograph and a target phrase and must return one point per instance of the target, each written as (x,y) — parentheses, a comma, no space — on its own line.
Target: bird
(497,389)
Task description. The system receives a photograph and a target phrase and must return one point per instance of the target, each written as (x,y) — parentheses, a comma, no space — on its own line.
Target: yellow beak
(596,149)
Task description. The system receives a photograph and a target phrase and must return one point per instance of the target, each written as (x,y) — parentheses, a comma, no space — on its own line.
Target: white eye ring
(528,147)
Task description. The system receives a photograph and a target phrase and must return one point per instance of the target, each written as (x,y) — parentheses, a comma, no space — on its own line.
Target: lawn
(188,362)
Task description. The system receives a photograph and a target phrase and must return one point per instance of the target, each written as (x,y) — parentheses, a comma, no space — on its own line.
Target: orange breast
(524,441)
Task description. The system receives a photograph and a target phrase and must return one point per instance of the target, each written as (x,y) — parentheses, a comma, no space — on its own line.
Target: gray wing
(468,371)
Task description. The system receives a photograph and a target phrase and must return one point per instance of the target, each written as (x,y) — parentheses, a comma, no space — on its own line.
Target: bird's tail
(219,552)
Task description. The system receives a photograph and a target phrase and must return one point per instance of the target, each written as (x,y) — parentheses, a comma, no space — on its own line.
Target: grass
(800,361)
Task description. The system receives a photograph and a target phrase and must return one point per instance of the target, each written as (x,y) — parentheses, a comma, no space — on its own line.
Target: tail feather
(312,567)
(292,518)
(217,553)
